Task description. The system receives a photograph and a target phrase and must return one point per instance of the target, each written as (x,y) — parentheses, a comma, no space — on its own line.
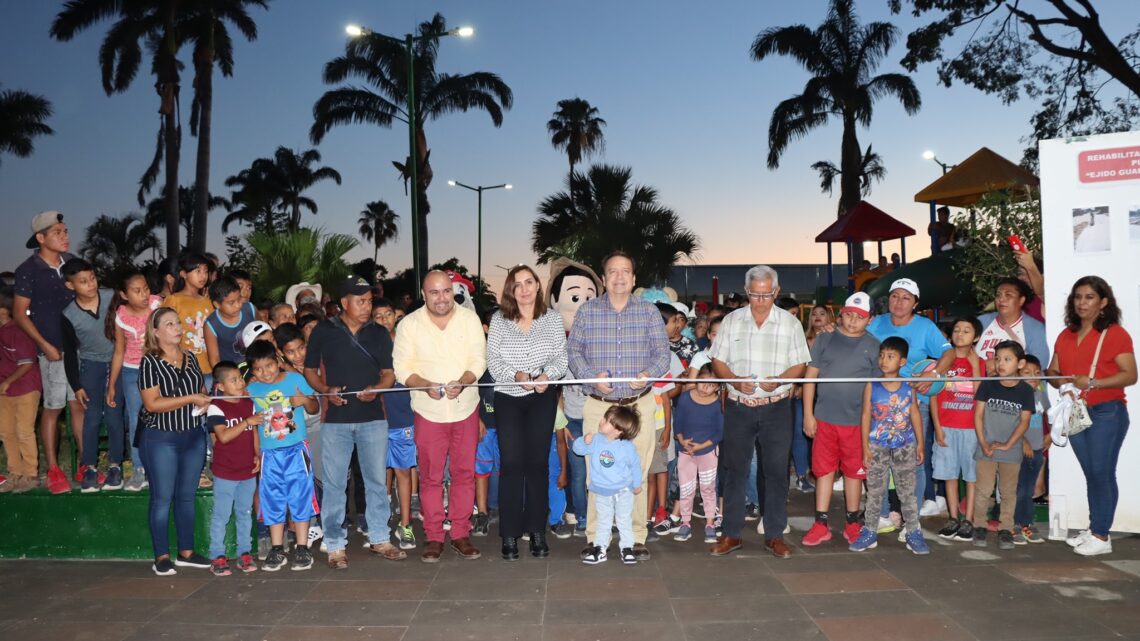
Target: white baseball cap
(907,285)
(684,309)
(858,303)
(253,330)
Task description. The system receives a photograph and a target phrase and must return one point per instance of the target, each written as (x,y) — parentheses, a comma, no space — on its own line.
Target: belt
(748,401)
(628,400)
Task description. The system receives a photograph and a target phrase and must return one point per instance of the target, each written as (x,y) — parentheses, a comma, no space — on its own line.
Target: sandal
(204,482)
(338,560)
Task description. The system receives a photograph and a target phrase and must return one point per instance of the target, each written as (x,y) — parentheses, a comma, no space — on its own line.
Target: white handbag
(1079,419)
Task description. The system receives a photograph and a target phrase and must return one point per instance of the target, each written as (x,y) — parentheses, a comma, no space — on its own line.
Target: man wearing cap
(925,341)
(346,354)
(40,297)
(833,411)
(619,335)
(441,347)
(759,341)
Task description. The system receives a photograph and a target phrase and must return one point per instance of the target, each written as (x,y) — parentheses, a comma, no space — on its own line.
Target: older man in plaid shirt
(617,335)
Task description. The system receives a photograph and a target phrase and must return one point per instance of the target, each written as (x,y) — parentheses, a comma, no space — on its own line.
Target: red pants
(452,444)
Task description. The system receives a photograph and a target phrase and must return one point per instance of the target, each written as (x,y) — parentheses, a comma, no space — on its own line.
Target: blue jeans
(93,379)
(1098,450)
(577,465)
(232,498)
(801,449)
(132,405)
(751,492)
(176,460)
(1026,483)
(371,442)
(556,496)
(619,506)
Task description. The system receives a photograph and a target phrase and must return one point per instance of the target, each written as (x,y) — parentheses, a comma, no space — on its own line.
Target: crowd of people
(437,413)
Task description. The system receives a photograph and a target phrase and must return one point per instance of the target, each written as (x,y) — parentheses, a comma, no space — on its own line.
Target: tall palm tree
(111,242)
(155,215)
(252,202)
(275,186)
(601,211)
(382,64)
(870,169)
(153,23)
(577,130)
(22,117)
(303,255)
(205,29)
(841,55)
(378,225)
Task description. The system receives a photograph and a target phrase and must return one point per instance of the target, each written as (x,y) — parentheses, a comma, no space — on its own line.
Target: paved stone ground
(958,592)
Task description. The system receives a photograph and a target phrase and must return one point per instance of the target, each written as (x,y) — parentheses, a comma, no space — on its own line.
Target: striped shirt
(172,382)
(623,343)
(542,350)
(760,352)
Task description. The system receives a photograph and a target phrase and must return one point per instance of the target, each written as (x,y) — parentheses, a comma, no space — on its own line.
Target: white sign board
(1090,216)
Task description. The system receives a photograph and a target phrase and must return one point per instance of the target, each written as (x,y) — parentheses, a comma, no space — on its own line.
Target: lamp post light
(929,155)
(408,42)
(479,190)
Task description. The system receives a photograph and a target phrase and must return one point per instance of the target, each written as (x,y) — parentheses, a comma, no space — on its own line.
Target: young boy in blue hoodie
(614,479)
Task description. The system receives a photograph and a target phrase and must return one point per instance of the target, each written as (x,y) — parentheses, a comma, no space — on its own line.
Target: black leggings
(525,424)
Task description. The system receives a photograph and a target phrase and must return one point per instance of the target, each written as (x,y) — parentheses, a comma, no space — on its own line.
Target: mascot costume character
(463,288)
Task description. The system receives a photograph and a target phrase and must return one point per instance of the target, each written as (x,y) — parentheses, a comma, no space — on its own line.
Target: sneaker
(942,507)
(114,478)
(90,481)
(164,567)
(1031,534)
(751,512)
(405,537)
(641,552)
(885,525)
(902,535)
(195,560)
(804,485)
(1094,547)
(867,540)
(851,532)
(562,530)
(965,531)
(5,486)
(980,537)
(627,556)
(1005,540)
(275,560)
(950,530)
(760,527)
(245,563)
(667,526)
(137,482)
(1072,541)
(362,526)
(480,524)
(838,486)
(316,533)
(684,533)
(659,515)
(570,518)
(580,528)
(22,484)
(929,508)
(302,559)
(263,547)
(415,507)
(916,543)
(1019,537)
(447,525)
(57,482)
(220,567)
(710,534)
(818,533)
(595,556)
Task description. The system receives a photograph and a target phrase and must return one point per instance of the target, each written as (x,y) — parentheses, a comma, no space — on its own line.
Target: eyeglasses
(754,296)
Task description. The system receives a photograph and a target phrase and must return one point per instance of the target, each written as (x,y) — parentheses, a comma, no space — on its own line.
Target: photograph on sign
(1134,223)
(1091,230)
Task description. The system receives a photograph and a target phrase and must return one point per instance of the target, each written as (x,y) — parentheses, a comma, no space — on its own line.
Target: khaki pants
(18,431)
(646,438)
(1007,474)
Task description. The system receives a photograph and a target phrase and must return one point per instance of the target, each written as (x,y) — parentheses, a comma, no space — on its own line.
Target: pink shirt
(134,331)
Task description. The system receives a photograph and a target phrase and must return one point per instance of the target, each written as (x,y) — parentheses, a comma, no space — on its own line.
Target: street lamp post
(408,42)
(929,155)
(479,190)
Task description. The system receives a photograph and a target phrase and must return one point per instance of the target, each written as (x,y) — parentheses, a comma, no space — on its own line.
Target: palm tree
(378,224)
(206,30)
(153,23)
(577,130)
(155,215)
(274,187)
(382,64)
(22,117)
(303,255)
(602,211)
(110,243)
(870,169)
(841,55)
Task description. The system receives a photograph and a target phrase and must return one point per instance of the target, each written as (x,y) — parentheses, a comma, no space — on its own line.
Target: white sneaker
(941,501)
(570,519)
(760,527)
(1093,546)
(1081,537)
(902,535)
(316,533)
(929,508)
(838,485)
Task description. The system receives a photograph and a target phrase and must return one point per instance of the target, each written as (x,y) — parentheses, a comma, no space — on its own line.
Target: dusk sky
(687,109)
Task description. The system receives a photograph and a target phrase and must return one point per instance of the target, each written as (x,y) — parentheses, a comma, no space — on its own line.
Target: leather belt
(628,400)
(749,401)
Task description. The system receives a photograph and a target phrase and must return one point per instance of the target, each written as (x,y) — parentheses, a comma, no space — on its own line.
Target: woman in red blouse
(1090,313)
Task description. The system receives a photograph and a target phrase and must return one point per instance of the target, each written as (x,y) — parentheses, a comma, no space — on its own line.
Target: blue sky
(686,107)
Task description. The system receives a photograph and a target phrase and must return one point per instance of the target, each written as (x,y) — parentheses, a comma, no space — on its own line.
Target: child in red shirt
(20,389)
(953,419)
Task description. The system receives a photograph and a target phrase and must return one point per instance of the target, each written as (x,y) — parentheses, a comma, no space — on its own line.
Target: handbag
(1079,419)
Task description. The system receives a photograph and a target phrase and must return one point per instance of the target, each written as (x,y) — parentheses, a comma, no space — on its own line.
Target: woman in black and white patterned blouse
(526,344)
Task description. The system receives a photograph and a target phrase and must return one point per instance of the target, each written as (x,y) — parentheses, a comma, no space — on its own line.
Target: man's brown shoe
(432,552)
(778,548)
(725,545)
(338,560)
(464,549)
(388,551)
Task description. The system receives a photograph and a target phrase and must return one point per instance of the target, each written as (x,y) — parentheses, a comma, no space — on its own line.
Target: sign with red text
(1102,165)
